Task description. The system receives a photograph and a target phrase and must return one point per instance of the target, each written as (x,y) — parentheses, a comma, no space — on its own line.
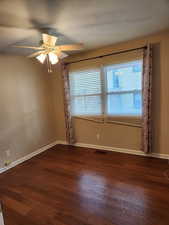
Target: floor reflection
(118,198)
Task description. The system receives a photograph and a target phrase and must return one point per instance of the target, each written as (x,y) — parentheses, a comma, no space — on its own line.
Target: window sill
(132,121)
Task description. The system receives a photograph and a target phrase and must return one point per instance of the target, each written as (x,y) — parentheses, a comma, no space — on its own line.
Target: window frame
(107,93)
(104,94)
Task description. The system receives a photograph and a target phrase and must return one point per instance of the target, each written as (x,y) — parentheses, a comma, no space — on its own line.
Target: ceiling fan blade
(31,47)
(36,54)
(71,47)
(49,39)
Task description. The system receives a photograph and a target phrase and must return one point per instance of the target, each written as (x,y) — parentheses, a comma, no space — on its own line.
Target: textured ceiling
(95,23)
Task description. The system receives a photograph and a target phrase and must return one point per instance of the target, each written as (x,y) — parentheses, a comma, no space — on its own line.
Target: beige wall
(117,135)
(27,114)
(32,109)
(59,103)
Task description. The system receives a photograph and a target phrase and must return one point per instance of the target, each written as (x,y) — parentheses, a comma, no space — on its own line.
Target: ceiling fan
(49,52)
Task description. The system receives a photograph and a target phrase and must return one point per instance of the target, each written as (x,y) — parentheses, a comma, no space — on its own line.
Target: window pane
(137,100)
(85,82)
(86,105)
(123,77)
(124,104)
(124,83)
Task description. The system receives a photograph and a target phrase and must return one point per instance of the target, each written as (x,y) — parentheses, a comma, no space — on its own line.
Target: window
(124,98)
(85,90)
(114,90)
(115,80)
(137,100)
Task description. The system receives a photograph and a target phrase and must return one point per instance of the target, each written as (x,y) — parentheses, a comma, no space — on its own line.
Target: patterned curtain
(147,100)
(68,118)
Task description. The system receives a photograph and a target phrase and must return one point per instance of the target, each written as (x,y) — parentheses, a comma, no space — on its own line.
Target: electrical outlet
(7,163)
(98,136)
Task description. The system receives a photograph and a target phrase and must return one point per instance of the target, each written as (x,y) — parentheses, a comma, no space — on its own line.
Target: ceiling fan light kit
(41,58)
(53,58)
(49,52)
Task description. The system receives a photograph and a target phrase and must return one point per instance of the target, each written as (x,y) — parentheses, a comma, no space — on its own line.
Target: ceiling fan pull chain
(50,67)
(48,64)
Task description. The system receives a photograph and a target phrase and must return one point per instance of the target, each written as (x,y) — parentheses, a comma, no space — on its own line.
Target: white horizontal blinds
(85,92)
(122,57)
(124,88)
(85,89)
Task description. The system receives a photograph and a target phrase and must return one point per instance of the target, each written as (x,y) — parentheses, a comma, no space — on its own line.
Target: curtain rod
(100,56)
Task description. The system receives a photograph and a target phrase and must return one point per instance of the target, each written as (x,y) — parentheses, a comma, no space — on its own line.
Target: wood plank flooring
(76,186)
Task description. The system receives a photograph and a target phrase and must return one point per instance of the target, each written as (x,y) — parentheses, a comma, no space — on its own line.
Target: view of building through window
(124,82)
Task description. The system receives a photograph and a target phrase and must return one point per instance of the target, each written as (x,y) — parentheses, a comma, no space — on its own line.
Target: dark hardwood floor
(74,186)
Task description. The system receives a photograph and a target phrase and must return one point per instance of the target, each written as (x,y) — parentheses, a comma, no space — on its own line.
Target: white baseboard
(62,142)
(29,156)
(108,148)
(160,156)
(121,150)
(100,147)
